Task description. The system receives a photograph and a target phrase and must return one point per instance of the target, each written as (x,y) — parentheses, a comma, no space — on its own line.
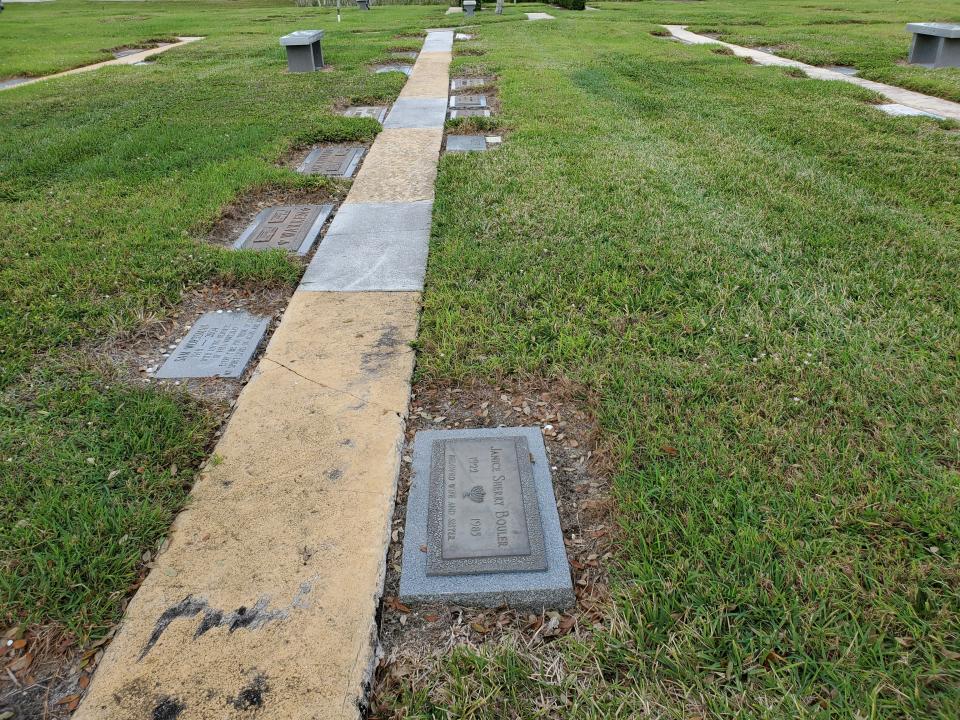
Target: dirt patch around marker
(415,640)
(137,355)
(236,216)
(460,50)
(46,673)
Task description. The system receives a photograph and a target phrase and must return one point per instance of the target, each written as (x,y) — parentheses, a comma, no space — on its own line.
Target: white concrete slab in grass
(540,16)
(915,100)
(372,246)
(898,110)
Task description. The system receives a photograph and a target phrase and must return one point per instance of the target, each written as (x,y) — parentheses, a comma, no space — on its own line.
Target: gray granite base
(373,247)
(536,590)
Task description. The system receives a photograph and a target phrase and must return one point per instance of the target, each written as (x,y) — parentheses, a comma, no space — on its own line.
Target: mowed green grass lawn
(755,274)
(108,183)
(867,34)
(758,276)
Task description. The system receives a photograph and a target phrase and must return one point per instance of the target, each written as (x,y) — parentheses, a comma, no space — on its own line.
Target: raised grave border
(512,553)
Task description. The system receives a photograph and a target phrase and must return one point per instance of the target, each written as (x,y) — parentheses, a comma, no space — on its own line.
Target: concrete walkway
(265,601)
(125,60)
(915,100)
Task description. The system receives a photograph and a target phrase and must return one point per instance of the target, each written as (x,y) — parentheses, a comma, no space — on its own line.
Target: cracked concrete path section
(125,60)
(371,247)
(918,101)
(264,603)
(270,584)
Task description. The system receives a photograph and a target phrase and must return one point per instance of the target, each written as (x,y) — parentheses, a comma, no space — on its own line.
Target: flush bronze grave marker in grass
(287,227)
(468,101)
(466,143)
(394,67)
(483,514)
(376,112)
(470,82)
(220,344)
(482,526)
(469,112)
(332,161)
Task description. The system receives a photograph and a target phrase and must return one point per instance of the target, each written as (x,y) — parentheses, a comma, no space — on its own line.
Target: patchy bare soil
(45,672)
(139,354)
(415,639)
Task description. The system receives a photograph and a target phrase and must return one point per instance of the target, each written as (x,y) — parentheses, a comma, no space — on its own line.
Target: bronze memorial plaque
(288,227)
(468,101)
(483,515)
(332,160)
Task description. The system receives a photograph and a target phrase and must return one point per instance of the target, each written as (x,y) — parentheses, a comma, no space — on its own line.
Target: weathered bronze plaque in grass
(332,160)
(468,101)
(483,515)
(469,112)
(470,82)
(287,227)
(376,112)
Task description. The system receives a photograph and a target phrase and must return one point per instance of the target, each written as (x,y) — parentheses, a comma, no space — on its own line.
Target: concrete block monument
(304,50)
(935,45)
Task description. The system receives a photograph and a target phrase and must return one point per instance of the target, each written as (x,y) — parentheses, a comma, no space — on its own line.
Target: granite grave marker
(469,112)
(466,143)
(394,67)
(469,82)
(220,344)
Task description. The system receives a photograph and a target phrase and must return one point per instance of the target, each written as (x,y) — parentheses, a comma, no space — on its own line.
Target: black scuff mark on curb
(249,618)
(252,694)
(168,708)
(188,607)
